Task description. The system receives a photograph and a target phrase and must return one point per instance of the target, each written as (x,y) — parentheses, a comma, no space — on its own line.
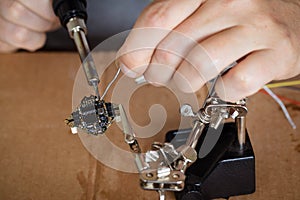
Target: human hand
(23,24)
(262,35)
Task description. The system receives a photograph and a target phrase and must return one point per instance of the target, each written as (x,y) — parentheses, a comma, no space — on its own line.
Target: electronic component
(92,115)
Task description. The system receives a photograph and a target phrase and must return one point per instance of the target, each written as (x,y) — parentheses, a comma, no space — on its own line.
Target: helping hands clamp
(164,166)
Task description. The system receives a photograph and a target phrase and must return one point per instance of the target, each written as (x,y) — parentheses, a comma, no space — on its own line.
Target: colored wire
(289,100)
(286,113)
(292,101)
(283,84)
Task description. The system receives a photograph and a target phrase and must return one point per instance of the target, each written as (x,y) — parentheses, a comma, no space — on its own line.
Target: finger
(21,37)
(160,17)
(167,56)
(247,77)
(15,12)
(192,73)
(230,45)
(213,17)
(215,53)
(209,19)
(42,8)
(6,48)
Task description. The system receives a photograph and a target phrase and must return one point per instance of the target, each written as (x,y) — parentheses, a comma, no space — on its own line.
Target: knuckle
(268,21)
(271,22)
(26,39)
(245,84)
(21,36)
(155,15)
(15,11)
(163,56)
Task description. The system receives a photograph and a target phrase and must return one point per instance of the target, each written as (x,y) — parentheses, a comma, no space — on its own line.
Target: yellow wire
(283,84)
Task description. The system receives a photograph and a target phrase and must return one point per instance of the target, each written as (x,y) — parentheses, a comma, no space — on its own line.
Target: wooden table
(41,159)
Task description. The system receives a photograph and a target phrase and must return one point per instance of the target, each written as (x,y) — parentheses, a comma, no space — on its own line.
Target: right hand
(207,36)
(24,23)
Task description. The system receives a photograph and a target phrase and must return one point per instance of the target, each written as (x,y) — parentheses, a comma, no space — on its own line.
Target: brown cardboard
(41,159)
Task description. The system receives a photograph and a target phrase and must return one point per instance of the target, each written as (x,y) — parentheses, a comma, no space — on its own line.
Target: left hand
(24,23)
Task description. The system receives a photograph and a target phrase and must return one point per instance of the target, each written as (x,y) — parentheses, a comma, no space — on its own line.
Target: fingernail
(127,71)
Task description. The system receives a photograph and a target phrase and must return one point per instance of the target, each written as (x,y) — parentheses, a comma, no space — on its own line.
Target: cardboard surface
(41,159)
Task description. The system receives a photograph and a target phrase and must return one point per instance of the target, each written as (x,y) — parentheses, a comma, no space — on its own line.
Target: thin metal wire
(213,82)
(286,113)
(211,90)
(110,83)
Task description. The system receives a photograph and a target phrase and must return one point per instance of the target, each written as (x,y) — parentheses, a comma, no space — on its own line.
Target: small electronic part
(92,115)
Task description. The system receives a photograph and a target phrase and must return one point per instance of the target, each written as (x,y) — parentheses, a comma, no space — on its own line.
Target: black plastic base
(226,170)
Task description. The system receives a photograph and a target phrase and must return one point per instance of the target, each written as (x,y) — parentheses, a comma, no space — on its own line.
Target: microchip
(92,115)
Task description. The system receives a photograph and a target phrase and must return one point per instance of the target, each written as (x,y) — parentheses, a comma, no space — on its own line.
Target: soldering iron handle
(67,9)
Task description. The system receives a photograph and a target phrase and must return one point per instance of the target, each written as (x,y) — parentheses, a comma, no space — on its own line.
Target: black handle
(67,9)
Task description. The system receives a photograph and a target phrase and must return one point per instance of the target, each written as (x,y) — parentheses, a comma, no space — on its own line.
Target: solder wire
(110,83)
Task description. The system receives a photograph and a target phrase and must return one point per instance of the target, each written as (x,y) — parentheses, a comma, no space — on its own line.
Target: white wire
(110,83)
(283,108)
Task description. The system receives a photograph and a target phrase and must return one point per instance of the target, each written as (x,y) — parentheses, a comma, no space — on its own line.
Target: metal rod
(87,61)
(162,195)
(77,30)
(241,128)
(195,134)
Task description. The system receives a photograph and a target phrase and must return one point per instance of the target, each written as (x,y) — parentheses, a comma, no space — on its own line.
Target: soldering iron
(73,16)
